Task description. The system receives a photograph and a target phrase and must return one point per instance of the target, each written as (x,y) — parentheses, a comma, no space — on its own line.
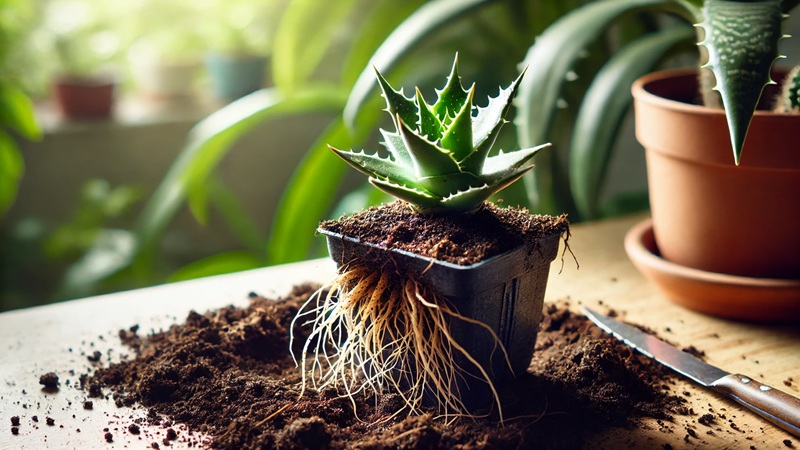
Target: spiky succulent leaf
(489,119)
(510,178)
(451,97)
(429,159)
(742,41)
(486,126)
(439,156)
(465,201)
(375,166)
(457,137)
(504,162)
(429,125)
(397,104)
(445,185)
(394,143)
(421,199)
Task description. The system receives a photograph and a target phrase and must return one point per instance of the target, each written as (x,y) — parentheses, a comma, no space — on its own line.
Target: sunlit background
(140,196)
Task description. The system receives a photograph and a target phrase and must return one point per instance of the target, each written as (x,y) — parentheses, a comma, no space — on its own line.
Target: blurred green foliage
(17,117)
(323,53)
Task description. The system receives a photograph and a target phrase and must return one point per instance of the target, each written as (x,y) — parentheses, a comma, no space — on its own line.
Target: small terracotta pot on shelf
(79,97)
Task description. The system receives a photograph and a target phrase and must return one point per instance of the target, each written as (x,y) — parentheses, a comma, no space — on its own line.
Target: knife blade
(776,406)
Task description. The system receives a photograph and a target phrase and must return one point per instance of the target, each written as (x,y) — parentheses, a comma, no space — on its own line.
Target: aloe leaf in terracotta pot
(708,213)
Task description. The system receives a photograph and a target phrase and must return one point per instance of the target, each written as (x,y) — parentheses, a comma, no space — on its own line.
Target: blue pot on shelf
(234,76)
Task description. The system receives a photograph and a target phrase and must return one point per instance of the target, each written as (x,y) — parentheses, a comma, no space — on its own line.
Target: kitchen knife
(774,405)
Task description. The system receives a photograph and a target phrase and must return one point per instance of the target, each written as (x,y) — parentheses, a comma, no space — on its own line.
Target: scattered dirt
(459,239)
(228,374)
(49,381)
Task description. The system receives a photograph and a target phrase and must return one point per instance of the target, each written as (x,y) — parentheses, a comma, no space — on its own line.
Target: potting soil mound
(228,373)
(458,238)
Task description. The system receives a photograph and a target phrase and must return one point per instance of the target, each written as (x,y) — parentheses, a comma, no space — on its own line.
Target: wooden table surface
(58,338)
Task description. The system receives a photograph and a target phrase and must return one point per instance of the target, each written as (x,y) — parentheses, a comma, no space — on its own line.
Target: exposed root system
(377,330)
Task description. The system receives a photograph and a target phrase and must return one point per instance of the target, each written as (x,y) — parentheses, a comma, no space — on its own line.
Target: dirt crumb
(49,380)
(694,351)
(706,419)
(95,356)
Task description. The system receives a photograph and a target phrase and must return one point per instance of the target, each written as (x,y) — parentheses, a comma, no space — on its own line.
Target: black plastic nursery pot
(505,292)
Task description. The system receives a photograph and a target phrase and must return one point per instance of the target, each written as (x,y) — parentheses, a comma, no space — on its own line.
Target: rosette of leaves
(438,157)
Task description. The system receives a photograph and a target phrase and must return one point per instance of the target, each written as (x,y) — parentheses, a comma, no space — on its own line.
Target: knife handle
(772,404)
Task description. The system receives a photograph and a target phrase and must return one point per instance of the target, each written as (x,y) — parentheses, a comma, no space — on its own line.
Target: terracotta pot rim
(639,250)
(640,91)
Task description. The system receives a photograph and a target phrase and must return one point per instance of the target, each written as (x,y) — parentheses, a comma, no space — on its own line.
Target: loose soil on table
(228,374)
(459,239)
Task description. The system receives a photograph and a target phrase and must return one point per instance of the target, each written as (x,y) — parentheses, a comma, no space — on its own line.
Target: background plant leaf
(305,33)
(208,142)
(554,54)
(11,168)
(221,263)
(310,195)
(604,107)
(426,20)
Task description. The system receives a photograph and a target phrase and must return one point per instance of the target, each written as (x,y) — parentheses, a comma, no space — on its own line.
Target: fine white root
(376,330)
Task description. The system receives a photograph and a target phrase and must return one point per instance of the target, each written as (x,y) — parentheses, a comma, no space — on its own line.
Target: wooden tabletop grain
(61,338)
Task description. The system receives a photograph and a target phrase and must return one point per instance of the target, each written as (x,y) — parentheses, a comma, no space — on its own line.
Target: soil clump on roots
(228,373)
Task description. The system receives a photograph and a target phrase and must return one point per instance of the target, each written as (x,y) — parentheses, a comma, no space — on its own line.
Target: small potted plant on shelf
(165,64)
(165,49)
(84,48)
(439,294)
(239,42)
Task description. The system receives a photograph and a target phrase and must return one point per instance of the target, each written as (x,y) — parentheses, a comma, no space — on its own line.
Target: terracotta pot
(85,97)
(709,214)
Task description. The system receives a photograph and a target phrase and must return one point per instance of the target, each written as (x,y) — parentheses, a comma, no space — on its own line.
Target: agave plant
(438,157)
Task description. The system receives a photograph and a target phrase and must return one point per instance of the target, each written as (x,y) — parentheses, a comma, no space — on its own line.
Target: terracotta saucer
(727,296)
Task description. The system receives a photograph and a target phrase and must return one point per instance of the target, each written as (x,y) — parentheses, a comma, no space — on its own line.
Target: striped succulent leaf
(438,156)
(742,42)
